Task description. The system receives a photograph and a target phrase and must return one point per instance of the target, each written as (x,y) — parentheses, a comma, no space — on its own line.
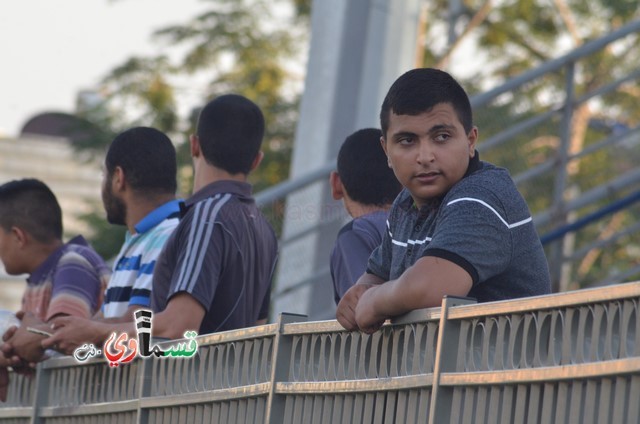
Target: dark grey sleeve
(380,260)
(199,261)
(473,233)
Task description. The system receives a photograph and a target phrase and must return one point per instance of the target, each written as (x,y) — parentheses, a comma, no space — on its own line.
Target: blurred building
(44,150)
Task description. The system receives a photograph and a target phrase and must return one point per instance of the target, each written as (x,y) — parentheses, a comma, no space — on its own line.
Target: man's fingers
(49,341)
(347,322)
(9,333)
(60,322)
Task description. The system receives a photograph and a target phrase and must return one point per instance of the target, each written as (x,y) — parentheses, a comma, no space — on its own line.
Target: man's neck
(139,207)
(207,174)
(40,252)
(356,210)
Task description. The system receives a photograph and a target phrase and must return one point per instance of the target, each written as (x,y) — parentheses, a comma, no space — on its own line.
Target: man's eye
(442,137)
(405,140)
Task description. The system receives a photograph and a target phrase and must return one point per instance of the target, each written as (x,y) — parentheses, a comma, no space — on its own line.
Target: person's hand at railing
(22,343)
(368,319)
(71,332)
(346,312)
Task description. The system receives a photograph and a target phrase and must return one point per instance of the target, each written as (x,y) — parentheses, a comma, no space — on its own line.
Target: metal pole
(558,207)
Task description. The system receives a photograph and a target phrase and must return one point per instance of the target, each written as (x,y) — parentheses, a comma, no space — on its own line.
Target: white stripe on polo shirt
(202,224)
(483,203)
(410,241)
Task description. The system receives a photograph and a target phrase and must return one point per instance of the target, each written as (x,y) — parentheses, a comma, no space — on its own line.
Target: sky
(51,49)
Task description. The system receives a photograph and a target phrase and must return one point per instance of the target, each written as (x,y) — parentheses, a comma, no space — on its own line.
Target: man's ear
(337,189)
(473,138)
(21,236)
(257,160)
(118,179)
(194,144)
(384,147)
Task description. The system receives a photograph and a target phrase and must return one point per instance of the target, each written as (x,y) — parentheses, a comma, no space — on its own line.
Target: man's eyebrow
(403,134)
(440,127)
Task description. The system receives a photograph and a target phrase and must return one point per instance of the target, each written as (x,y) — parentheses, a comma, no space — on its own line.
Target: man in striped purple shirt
(64,279)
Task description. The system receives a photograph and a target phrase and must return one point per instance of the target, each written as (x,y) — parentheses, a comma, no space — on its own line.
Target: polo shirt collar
(406,201)
(157,215)
(239,188)
(51,262)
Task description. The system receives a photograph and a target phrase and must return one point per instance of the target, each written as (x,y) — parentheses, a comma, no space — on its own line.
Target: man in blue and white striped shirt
(138,191)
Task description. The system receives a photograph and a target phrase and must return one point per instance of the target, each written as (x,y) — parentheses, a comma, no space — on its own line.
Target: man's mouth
(427,177)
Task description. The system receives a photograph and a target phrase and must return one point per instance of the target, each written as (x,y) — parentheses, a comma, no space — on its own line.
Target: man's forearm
(367,278)
(421,286)
(104,329)
(388,299)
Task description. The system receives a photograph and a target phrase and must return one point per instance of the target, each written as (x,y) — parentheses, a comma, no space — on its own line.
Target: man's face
(114,207)
(9,252)
(429,152)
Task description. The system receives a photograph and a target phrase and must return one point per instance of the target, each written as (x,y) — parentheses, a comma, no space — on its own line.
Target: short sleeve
(379,263)
(199,260)
(473,233)
(76,287)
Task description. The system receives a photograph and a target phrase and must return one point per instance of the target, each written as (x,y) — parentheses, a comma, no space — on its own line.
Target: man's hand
(71,332)
(346,312)
(22,343)
(367,318)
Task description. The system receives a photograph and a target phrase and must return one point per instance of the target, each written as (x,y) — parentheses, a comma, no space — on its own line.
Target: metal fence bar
(446,358)
(556,64)
(280,369)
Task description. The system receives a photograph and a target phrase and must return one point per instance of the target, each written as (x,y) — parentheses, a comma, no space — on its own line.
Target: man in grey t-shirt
(459,227)
(367,187)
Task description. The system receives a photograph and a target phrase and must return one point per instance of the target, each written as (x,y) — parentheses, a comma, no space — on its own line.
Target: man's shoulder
(375,222)
(80,258)
(492,189)
(72,252)
(489,180)
(226,209)
(163,229)
(490,173)
(220,204)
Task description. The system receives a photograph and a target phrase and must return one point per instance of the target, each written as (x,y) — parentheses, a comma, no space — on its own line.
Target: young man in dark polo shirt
(459,227)
(215,272)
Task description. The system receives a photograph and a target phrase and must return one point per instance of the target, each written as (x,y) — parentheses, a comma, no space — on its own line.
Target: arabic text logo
(120,349)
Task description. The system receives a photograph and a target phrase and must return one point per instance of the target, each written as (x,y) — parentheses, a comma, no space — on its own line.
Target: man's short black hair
(363,169)
(148,159)
(230,129)
(31,206)
(419,90)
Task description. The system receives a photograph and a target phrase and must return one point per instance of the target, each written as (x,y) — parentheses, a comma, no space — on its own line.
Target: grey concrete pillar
(358,48)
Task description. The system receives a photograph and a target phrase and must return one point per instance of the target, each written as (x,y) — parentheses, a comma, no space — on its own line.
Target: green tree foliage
(248,47)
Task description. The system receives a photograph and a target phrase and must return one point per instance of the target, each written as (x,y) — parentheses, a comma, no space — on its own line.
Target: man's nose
(425,152)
